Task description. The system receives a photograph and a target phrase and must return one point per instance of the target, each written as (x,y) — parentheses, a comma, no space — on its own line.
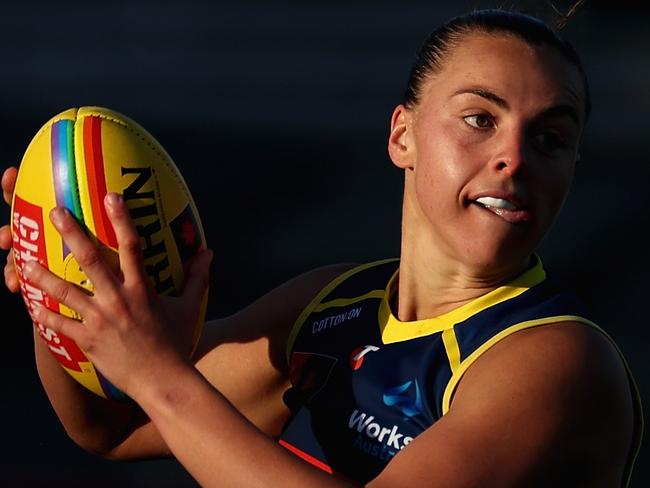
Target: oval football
(74,160)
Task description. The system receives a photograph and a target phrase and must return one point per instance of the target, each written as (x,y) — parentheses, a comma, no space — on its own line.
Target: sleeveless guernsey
(365,384)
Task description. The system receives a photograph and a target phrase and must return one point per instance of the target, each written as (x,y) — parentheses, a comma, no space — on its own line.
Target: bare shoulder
(547,406)
(575,365)
(243,355)
(271,315)
(568,386)
(570,354)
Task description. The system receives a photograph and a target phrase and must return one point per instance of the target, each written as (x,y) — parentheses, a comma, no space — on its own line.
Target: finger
(86,252)
(61,290)
(58,323)
(128,241)
(11,278)
(5,237)
(198,277)
(8,183)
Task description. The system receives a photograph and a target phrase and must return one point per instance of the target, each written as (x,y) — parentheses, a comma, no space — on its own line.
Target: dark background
(277,114)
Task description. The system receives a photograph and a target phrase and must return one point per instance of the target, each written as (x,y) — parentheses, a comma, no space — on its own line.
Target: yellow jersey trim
(452,349)
(322,294)
(456,376)
(458,373)
(344,302)
(393,330)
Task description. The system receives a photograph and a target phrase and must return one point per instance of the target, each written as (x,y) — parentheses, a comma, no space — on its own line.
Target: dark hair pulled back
(439,44)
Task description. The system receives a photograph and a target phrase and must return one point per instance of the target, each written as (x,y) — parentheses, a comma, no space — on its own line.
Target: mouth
(507,208)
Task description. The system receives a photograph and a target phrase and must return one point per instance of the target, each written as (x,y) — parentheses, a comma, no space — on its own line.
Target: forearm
(96,424)
(217,445)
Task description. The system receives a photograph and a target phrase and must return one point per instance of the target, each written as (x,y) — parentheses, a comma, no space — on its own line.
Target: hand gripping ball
(73,161)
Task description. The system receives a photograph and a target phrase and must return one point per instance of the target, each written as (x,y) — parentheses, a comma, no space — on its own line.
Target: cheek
(445,160)
(556,185)
(440,177)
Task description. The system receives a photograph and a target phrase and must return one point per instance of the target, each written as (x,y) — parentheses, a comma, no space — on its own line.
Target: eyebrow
(556,111)
(488,95)
(562,111)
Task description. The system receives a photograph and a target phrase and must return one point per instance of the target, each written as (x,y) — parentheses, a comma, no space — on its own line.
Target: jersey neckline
(394,330)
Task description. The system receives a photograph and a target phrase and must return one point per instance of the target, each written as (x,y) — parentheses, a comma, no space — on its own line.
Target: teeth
(496,202)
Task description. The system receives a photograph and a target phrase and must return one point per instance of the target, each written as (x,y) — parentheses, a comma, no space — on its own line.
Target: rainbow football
(73,161)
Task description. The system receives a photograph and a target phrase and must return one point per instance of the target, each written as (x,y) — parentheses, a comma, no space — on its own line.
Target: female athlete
(461,364)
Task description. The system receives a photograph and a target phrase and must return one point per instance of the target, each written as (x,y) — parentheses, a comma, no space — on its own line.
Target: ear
(401,148)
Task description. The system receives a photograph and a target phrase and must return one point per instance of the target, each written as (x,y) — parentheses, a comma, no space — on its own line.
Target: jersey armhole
(639,422)
(469,360)
(297,326)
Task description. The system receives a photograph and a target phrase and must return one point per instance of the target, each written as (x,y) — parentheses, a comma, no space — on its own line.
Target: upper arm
(548,406)
(243,356)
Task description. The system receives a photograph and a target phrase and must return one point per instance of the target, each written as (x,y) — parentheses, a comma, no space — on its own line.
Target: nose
(509,158)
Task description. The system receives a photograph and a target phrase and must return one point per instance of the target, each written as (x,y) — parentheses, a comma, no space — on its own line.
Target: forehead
(511,68)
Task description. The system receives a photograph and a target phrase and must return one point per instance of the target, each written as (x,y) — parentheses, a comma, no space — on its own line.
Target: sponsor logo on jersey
(400,397)
(335,320)
(384,441)
(357,355)
(375,439)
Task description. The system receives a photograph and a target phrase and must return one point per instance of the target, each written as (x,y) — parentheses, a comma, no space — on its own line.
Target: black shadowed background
(277,115)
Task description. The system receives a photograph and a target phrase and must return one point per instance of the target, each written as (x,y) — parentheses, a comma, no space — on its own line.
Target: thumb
(197,277)
(8,183)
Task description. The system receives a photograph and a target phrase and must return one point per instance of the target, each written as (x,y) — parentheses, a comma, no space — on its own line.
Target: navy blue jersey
(364,384)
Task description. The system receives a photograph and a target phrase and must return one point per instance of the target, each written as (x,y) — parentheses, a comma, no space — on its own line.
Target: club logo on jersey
(357,355)
(409,404)
(309,373)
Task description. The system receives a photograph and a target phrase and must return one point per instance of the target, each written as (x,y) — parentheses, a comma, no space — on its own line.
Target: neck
(432,281)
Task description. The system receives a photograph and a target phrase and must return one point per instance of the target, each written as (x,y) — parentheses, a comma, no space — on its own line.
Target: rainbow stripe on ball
(66,192)
(65,174)
(63,167)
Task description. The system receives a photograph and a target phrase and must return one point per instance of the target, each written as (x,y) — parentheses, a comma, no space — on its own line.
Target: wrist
(164,385)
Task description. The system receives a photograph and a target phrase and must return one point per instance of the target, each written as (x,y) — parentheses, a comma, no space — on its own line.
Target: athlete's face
(490,149)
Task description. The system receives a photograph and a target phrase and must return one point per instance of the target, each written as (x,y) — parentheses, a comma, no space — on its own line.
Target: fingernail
(205,253)
(28,268)
(57,214)
(113,199)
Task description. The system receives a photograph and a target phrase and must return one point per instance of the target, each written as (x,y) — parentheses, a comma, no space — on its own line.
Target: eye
(480,121)
(550,141)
